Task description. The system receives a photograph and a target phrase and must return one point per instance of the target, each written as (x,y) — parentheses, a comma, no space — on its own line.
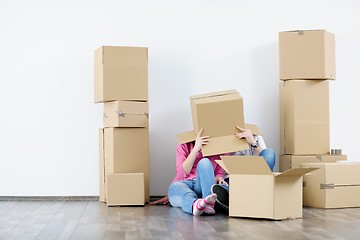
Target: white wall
(49,123)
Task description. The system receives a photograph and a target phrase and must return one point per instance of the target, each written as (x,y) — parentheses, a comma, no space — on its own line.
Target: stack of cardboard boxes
(121,84)
(307,65)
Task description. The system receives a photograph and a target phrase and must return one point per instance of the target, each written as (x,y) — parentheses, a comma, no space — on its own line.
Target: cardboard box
(126,114)
(218,114)
(127,151)
(102,183)
(121,73)
(333,185)
(257,192)
(304,117)
(293,161)
(307,54)
(125,189)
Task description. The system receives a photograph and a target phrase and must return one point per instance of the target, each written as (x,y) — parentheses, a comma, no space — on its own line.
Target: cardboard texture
(287,162)
(256,192)
(102,184)
(304,117)
(120,73)
(126,114)
(333,185)
(127,151)
(307,54)
(225,144)
(125,189)
(218,114)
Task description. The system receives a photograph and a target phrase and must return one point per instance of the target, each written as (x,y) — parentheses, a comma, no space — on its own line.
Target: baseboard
(59,198)
(49,198)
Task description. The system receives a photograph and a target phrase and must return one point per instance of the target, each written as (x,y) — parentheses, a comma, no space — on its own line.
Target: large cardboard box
(127,151)
(126,114)
(257,192)
(333,185)
(293,161)
(121,73)
(308,54)
(218,114)
(125,189)
(304,117)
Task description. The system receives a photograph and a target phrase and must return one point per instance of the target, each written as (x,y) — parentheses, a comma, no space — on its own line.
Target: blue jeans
(270,157)
(184,193)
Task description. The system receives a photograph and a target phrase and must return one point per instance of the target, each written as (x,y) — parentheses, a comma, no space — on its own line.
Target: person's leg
(270,157)
(181,195)
(204,180)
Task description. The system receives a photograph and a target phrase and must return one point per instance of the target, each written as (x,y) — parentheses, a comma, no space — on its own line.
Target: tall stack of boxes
(307,65)
(121,85)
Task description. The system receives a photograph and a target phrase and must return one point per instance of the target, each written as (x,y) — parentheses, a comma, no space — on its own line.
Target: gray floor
(94,220)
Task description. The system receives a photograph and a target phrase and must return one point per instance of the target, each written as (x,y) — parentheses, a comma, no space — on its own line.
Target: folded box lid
(219,145)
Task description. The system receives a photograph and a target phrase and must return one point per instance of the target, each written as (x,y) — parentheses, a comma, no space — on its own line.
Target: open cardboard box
(256,192)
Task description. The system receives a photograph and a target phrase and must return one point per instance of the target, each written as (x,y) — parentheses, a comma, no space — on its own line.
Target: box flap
(224,144)
(251,165)
(186,137)
(216,145)
(296,172)
(214,94)
(222,165)
(190,136)
(253,128)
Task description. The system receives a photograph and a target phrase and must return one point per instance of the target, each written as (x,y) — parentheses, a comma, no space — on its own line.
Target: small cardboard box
(126,114)
(218,114)
(120,73)
(126,150)
(125,189)
(257,192)
(304,117)
(307,54)
(293,161)
(333,185)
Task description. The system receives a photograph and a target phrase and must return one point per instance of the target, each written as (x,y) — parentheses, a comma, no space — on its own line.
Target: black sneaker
(222,196)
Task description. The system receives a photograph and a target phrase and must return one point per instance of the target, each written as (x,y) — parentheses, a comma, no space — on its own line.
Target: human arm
(161,201)
(221,180)
(190,159)
(250,138)
(219,173)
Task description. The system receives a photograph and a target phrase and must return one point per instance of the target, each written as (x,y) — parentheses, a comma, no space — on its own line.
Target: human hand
(200,140)
(221,180)
(246,133)
(162,201)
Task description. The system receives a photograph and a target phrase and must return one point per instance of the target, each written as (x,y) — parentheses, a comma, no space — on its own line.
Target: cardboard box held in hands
(218,114)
